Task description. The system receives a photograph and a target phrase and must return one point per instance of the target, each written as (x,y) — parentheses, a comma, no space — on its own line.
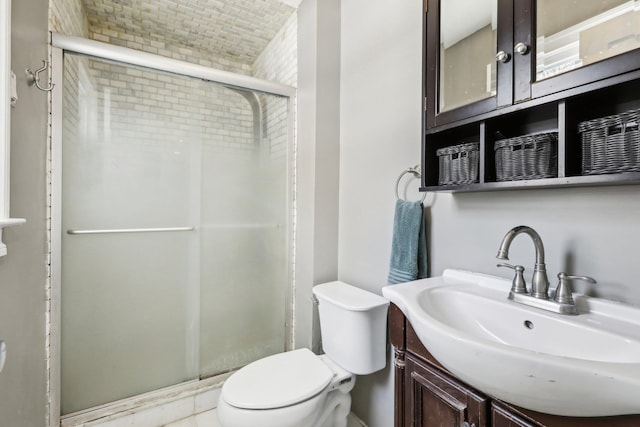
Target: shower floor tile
(210,419)
(204,419)
(207,419)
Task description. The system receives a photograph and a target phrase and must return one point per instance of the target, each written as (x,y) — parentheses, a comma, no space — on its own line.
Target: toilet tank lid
(348,296)
(277,381)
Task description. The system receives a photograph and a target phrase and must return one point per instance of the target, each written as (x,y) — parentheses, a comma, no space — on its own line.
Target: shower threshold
(155,408)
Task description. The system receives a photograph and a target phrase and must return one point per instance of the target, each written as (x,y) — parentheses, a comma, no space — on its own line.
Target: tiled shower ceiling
(238,30)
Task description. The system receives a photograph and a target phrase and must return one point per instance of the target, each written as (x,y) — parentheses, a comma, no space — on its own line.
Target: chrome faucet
(562,301)
(539,282)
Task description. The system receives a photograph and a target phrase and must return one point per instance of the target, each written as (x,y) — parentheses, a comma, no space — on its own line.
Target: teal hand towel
(409,244)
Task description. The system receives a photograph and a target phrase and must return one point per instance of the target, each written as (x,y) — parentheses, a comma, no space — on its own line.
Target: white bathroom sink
(584,365)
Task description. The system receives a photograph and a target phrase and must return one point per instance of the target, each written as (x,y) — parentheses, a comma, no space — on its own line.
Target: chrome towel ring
(416,172)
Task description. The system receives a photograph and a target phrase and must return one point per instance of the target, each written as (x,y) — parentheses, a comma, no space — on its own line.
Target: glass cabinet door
(467,56)
(571,34)
(464,73)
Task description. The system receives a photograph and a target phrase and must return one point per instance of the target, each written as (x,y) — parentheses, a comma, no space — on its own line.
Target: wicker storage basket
(611,144)
(458,164)
(527,157)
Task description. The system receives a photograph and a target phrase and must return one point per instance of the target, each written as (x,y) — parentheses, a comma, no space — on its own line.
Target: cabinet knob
(521,48)
(503,57)
(466,424)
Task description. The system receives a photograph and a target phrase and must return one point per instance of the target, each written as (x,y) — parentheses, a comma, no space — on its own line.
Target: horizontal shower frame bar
(149,60)
(168,229)
(131,230)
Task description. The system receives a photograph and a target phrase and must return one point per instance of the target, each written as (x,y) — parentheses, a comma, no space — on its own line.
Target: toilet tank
(353,325)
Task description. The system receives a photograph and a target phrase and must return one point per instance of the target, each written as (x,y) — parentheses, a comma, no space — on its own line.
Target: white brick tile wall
(277,62)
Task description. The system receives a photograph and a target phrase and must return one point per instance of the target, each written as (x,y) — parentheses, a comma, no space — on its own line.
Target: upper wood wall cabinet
(513,67)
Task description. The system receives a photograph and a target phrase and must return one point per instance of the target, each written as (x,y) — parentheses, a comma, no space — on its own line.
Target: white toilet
(300,389)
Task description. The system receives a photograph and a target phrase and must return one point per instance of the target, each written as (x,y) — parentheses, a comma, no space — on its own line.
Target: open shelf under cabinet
(552,114)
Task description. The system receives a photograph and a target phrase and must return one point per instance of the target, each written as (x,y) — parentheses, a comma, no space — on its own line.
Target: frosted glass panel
(244,269)
(244,260)
(124,317)
(174,222)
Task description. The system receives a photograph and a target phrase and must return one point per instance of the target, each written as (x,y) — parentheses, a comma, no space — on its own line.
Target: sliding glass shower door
(174,230)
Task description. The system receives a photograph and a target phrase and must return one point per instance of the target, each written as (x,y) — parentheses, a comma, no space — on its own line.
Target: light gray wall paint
(318,158)
(23,270)
(327,140)
(589,231)
(380,137)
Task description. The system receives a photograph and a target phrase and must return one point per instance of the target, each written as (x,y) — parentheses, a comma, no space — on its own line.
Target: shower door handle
(130,230)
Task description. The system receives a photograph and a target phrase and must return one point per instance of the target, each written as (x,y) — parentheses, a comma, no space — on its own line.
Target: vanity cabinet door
(434,399)
(502,417)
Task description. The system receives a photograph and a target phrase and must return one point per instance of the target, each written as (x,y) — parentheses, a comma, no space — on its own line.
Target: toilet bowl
(292,389)
(301,389)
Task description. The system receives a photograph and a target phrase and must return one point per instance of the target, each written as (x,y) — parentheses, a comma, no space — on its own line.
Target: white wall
(590,231)
(379,137)
(23,271)
(318,158)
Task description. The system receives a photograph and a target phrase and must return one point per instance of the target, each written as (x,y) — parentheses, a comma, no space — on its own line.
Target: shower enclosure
(171,222)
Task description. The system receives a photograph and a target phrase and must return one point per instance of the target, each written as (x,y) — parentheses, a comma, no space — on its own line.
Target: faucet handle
(564,292)
(518,286)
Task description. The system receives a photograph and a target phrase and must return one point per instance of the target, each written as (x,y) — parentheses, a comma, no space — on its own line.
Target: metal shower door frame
(244,85)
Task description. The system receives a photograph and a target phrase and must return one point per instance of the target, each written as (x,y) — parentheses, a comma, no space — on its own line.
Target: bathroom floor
(203,419)
(210,419)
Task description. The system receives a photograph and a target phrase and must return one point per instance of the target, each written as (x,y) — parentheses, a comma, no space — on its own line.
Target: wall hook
(34,77)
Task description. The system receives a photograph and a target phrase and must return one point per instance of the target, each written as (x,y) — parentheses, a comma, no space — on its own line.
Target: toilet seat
(278,381)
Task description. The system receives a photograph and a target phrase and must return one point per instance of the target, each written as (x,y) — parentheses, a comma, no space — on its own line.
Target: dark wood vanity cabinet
(436,399)
(427,395)
(562,65)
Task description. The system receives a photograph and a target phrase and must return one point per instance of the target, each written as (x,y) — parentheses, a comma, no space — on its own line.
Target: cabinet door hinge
(425,103)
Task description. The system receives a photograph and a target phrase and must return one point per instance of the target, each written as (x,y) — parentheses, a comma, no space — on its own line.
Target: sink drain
(528,324)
